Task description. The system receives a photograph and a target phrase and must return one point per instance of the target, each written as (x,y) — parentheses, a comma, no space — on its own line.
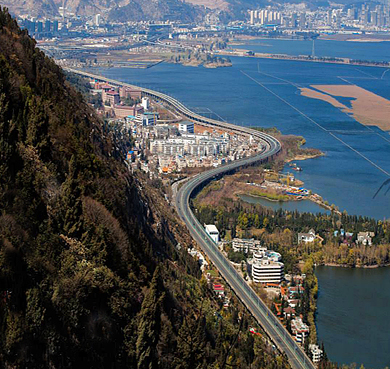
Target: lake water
(257,92)
(353,304)
(376,51)
(353,315)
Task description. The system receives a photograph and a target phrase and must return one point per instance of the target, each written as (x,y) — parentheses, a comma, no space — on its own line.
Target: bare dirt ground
(366,107)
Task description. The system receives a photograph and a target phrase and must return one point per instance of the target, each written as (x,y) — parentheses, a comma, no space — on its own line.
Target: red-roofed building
(283,291)
(296,290)
(123,111)
(289,312)
(278,308)
(127,92)
(219,289)
(110,97)
(103,86)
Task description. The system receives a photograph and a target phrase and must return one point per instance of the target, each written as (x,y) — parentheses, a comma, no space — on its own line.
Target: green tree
(149,326)
(191,344)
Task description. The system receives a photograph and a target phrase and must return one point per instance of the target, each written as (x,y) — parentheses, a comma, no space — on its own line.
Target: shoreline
(339,38)
(305,157)
(355,266)
(329,208)
(262,197)
(304,58)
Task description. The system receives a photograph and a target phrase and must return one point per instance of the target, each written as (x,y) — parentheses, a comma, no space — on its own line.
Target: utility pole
(63,11)
(313,53)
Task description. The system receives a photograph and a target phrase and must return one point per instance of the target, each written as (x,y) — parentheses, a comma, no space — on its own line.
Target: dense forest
(90,272)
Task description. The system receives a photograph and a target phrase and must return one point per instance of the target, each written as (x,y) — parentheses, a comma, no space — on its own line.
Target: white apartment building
(189,144)
(307,237)
(316,353)
(212,230)
(299,329)
(365,238)
(265,270)
(146,119)
(245,245)
(186,127)
(145,103)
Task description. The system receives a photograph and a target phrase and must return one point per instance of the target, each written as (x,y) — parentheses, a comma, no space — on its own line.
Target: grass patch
(269,196)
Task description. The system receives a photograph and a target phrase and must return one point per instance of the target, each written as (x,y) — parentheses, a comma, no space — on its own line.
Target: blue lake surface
(258,92)
(352,315)
(353,305)
(375,51)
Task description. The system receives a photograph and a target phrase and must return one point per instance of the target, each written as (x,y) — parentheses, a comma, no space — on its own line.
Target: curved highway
(269,322)
(271,146)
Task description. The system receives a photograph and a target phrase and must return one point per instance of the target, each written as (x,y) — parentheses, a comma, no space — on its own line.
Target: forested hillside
(89,272)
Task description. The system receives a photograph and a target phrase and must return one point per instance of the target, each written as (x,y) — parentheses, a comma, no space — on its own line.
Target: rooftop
(299,325)
(112,93)
(211,228)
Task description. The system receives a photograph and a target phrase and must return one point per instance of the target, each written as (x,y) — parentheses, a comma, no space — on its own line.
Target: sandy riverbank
(366,107)
(305,157)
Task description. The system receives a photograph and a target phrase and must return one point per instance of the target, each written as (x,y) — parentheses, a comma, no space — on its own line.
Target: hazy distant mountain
(136,10)
(115,10)
(155,10)
(33,7)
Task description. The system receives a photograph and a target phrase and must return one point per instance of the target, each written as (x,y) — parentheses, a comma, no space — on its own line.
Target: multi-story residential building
(189,144)
(110,98)
(245,245)
(316,353)
(365,238)
(186,127)
(307,237)
(299,329)
(145,103)
(128,93)
(267,271)
(212,230)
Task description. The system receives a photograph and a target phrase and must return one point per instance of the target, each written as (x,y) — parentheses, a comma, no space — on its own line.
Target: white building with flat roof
(145,103)
(265,270)
(146,119)
(186,127)
(212,230)
(245,245)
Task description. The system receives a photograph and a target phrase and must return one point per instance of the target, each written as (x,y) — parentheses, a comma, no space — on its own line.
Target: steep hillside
(89,273)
